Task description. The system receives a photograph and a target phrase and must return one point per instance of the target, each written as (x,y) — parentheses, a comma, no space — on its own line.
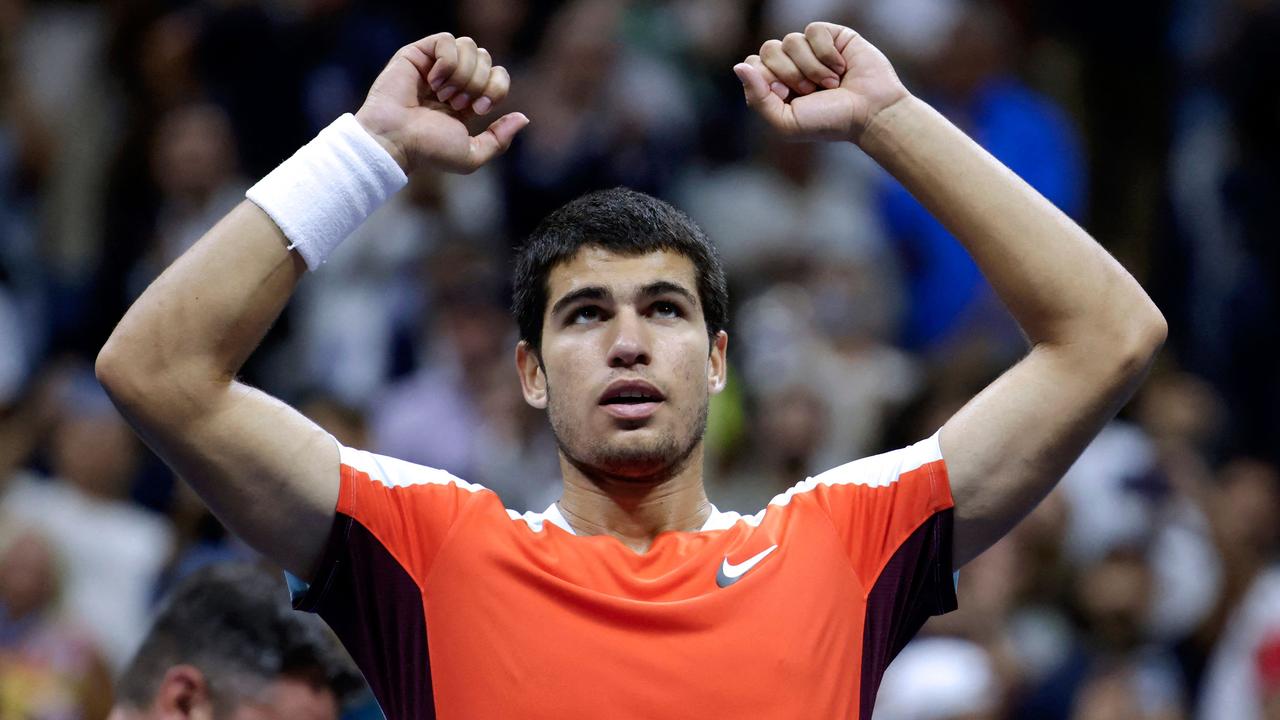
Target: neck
(634,511)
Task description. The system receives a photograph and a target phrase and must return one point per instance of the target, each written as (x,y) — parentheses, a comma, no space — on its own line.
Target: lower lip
(631,411)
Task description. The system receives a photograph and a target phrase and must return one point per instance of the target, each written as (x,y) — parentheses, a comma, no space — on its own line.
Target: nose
(630,342)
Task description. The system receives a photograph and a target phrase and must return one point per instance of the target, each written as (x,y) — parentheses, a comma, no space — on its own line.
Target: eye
(586,314)
(665,309)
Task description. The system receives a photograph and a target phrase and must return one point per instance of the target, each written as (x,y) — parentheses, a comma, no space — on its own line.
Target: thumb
(496,138)
(759,96)
(753,83)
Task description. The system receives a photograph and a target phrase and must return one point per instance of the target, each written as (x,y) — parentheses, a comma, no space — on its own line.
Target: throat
(633,511)
(633,529)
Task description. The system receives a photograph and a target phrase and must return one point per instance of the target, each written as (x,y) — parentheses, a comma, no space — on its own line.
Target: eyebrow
(664,287)
(596,292)
(590,292)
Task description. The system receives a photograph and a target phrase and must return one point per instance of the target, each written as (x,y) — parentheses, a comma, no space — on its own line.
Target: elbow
(1138,343)
(116,371)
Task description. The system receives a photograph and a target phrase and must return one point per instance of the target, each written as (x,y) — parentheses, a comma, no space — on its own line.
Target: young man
(227,645)
(632,596)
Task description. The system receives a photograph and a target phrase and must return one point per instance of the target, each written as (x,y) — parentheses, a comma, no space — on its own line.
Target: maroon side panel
(375,608)
(916,583)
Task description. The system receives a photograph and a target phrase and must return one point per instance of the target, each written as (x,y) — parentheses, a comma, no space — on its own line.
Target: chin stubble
(651,464)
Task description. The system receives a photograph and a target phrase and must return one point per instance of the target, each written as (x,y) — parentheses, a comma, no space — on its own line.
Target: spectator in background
(463,393)
(227,644)
(1268,659)
(358,326)
(50,667)
(787,424)
(194,167)
(1224,275)
(1114,671)
(1243,511)
(825,332)
(606,116)
(26,149)
(113,548)
(970,82)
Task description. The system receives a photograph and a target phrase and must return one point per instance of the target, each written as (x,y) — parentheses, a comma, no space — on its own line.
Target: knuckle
(792,39)
(466,40)
(770,46)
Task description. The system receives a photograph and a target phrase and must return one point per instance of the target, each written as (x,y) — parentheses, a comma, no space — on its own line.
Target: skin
(625,477)
(171,363)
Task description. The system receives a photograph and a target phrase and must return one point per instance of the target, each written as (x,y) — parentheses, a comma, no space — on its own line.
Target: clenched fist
(825,84)
(418,104)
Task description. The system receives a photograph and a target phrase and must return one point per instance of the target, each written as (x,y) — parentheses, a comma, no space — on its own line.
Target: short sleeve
(391,520)
(892,514)
(878,503)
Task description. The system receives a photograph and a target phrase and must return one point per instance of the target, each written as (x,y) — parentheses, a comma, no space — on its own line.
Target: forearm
(195,326)
(1060,285)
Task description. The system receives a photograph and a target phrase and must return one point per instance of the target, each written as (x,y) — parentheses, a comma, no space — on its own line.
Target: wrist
(328,187)
(877,133)
(384,139)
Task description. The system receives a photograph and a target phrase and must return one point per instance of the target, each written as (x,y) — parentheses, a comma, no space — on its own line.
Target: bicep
(1007,446)
(267,472)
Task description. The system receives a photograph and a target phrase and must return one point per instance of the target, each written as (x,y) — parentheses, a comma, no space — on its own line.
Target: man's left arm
(1093,330)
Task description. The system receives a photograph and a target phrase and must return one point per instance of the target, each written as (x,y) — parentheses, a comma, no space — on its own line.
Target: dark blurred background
(1145,587)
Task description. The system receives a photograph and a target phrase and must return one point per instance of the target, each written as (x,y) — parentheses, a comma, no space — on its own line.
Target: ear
(183,694)
(718,363)
(533,382)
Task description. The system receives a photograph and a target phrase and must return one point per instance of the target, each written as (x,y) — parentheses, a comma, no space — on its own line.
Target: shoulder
(395,473)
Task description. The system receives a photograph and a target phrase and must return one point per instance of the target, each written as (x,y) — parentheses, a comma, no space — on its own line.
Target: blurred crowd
(1147,587)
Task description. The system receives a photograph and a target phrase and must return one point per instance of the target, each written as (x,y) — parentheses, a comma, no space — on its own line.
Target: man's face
(626,369)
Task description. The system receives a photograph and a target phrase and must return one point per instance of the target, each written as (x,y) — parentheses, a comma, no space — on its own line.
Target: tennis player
(632,596)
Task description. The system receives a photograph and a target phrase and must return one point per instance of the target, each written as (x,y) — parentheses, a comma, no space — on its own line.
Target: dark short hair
(234,623)
(621,221)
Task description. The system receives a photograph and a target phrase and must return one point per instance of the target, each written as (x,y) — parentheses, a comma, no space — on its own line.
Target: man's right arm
(266,471)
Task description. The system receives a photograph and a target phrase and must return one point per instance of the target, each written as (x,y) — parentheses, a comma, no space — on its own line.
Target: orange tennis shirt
(454,607)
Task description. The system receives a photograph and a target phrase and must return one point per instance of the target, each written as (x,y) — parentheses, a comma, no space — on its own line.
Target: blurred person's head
(619,287)
(1245,506)
(975,49)
(28,573)
(194,154)
(791,423)
(1180,408)
(92,447)
(580,47)
(1113,596)
(715,30)
(495,24)
(166,58)
(345,423)
(227,644)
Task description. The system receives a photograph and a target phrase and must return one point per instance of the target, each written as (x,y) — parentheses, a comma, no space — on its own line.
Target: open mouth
(635,399)
(631,399)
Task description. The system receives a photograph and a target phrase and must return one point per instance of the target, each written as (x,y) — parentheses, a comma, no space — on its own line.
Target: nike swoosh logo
(730,573)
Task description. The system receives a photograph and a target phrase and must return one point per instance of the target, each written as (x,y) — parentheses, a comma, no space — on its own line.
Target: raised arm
(266,471)
(1093,330)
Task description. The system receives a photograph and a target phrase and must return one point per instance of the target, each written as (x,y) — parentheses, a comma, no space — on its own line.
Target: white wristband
(322,193)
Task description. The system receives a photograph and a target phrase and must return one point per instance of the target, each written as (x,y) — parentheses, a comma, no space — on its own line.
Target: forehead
(621,275)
